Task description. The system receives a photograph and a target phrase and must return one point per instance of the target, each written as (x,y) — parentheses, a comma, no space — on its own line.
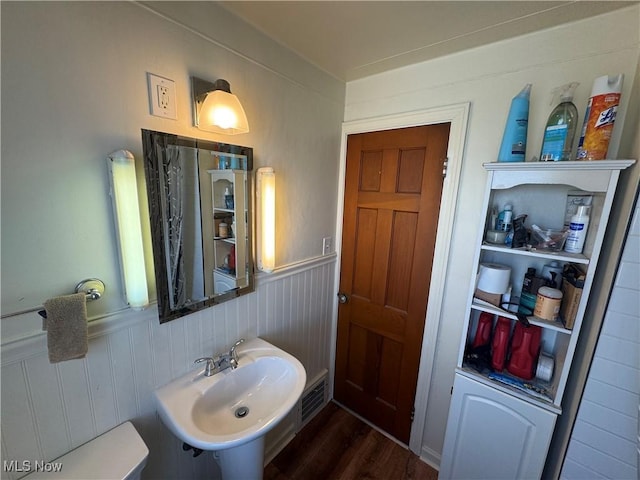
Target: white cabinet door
(491,434)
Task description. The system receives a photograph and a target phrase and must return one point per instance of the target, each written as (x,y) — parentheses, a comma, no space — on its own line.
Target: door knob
(343,298)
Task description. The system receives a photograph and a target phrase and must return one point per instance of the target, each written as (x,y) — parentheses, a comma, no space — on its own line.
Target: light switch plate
(162,97)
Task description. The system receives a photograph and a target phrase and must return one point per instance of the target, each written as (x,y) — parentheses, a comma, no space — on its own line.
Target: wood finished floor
(335,445)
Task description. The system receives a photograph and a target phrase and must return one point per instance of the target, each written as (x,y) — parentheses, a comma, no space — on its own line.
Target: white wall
(74,89)
(604,442)
(489,77)
(48,410)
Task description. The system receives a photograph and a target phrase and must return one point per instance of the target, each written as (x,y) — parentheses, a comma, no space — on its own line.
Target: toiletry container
(119,454)
(525,346)
(577,230)
(552,274)
(548,303)
(599,117)
(514,139)
(505,219)
(228,199)
(500,343)
(223,230)
(561,128)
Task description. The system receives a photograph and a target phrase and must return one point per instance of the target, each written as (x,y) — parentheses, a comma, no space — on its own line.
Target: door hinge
(445,165)
(413,413)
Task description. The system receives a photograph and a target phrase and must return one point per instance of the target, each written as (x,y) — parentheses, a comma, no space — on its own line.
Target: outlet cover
(162,97)
(326,245)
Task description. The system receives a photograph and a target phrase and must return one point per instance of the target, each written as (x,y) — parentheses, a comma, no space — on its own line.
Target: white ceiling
(355,39)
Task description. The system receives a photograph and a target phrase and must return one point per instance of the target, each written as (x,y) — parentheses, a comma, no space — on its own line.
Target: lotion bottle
(514,140)
(577,230)
(561,127)
(505,219)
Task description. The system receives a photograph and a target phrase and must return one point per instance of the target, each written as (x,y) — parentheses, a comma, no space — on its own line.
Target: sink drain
(241,412)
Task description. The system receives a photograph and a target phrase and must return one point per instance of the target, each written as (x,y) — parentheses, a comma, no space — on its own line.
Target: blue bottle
(514,140)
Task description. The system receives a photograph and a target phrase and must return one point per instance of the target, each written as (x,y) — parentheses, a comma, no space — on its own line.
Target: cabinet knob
(343,298)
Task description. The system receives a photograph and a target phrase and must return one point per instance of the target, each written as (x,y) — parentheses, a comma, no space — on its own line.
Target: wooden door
(392,199)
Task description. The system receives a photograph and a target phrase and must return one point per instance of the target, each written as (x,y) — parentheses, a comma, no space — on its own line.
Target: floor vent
(312,400)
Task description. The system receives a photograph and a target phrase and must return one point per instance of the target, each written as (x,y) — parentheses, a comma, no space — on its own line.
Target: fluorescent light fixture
(216,109)
(124,195)
(266,218)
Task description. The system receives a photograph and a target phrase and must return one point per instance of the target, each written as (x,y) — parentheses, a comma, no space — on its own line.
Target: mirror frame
(152,141)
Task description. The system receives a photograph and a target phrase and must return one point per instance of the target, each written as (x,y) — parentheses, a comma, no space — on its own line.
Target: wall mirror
(200,203)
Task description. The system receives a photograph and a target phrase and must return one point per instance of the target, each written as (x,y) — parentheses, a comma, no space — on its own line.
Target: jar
(548,303)
(223,230)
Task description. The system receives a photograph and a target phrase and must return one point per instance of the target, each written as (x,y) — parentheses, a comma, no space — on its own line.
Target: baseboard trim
(430,457)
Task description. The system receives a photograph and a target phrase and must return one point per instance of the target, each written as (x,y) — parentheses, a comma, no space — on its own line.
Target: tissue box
(572,285)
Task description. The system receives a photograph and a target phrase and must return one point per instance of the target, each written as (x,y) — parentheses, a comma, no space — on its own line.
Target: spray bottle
(561,127)
(599,117)
(514,140)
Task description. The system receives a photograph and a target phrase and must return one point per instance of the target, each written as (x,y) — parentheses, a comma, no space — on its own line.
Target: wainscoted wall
(48,410)
(605,441)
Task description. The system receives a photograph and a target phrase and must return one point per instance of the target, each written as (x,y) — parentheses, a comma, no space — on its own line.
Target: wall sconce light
(124,196)
(216,109)
(266,219)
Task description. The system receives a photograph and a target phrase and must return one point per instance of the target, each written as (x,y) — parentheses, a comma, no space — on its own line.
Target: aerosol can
(599,117)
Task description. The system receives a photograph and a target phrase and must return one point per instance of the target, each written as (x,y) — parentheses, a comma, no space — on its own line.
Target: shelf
(226,273)
(578,165)
(226,239)
(530,395)
(541,322)
(224,210)
(532,252)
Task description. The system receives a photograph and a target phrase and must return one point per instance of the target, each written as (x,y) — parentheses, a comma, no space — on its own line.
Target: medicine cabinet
(486,403)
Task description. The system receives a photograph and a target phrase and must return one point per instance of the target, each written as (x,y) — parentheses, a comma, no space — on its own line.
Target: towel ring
(93,288)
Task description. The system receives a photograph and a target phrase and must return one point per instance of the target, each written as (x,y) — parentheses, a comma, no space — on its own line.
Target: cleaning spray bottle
(514,140)
(561,127)
(599,117)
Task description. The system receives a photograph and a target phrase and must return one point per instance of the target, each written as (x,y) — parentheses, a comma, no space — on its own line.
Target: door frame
(458,116)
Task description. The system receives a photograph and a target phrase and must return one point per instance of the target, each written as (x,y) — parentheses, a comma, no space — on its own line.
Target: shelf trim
(560,255)
(231,240)
(533,320)
(570,165)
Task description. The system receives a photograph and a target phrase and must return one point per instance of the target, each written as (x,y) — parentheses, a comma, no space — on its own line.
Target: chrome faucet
(221,362)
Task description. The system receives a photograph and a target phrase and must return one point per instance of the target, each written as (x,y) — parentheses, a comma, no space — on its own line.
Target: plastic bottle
(525,346)
(505,219)
(514,139)
(499,343)
(483,332)
(528,296)
(599,117)
(552,274)
(577,230)
(228,198)
(561,127)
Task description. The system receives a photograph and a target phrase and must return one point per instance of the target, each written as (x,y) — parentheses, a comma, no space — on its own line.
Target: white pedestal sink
(231,411)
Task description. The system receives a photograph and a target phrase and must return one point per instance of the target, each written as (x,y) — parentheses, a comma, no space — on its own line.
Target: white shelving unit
(234,181)
(485,413)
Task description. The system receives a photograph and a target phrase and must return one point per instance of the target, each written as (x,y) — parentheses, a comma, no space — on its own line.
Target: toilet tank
(119,454)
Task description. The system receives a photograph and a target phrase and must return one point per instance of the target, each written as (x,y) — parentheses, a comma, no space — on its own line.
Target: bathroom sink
(234,406)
